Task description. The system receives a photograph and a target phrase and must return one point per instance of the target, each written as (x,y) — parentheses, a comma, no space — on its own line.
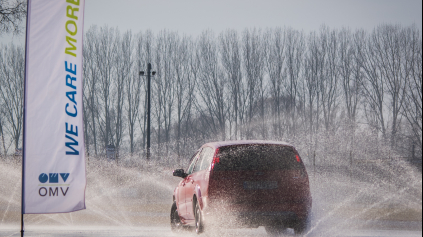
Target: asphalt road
(161,231)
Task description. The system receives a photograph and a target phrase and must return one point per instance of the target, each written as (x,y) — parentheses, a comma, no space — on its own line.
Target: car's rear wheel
(175,221)
(199,225)
(302,226)
(275,230)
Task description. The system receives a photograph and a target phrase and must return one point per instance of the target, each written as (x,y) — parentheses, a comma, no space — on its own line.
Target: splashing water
(372,195)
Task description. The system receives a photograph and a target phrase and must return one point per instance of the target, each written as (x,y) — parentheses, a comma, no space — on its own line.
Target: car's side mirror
(179,173)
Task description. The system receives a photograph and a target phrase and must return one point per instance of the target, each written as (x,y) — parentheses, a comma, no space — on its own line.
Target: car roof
(216,145)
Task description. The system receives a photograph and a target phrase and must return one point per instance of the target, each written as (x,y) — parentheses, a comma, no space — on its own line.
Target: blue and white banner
(53,155)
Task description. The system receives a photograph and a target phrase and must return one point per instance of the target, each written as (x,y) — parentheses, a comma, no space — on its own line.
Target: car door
(197,178)
(182,205)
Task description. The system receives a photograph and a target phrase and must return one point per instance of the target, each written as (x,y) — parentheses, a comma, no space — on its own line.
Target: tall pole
(149,74)
(24,125)
(149,112)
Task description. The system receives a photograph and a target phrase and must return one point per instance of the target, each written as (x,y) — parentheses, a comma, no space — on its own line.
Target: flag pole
(24,122)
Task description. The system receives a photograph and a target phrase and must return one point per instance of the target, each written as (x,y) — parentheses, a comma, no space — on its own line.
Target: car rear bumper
(251,219)
(266,218)
(256,214)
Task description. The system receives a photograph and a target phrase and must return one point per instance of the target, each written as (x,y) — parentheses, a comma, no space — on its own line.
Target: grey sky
(191,17)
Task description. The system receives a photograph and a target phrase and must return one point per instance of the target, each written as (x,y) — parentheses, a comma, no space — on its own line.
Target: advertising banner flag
(54,177)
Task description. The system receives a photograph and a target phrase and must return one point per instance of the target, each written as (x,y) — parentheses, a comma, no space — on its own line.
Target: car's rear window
(257,157)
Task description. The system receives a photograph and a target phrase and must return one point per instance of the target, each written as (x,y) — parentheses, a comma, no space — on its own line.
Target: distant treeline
(279,84)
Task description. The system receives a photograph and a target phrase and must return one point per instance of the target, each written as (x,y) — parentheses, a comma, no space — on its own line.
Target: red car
(243,184)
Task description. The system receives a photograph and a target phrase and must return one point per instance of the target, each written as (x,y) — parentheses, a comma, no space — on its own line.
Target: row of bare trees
(257,84)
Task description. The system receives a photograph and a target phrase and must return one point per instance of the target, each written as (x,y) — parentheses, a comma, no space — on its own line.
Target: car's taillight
(212,178)
(298,158)
(216,159)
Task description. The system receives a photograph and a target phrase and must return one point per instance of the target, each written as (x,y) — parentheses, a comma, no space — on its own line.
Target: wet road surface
(162,231)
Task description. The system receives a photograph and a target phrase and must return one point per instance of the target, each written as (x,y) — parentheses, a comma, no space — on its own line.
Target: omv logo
(50,184)
(53,177)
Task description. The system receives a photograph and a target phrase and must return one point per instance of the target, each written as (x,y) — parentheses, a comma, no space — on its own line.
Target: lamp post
(149,74)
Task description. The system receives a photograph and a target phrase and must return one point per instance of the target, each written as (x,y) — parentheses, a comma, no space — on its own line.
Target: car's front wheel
(199,225)
(175,221)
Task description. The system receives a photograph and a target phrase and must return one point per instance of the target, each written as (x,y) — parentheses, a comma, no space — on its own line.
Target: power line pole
(149,74)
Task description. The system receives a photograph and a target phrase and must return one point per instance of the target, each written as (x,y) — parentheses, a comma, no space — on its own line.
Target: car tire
(199,225)
(302,226)
(175,221)
(274,230)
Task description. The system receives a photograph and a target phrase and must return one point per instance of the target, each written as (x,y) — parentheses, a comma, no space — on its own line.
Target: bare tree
(212,87)
(295,48)
(274,43)
(350,74)
(2,120)
(253,62)
(372,82)
(413,97)
(164,85)
(106,46)
(190,128)
(329,92)
(391,48)
(185,84)
(2,127)
(133,85)
(12,12)
(11,89)
(312,83)
(90,89)
(124,63)
(231,63)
